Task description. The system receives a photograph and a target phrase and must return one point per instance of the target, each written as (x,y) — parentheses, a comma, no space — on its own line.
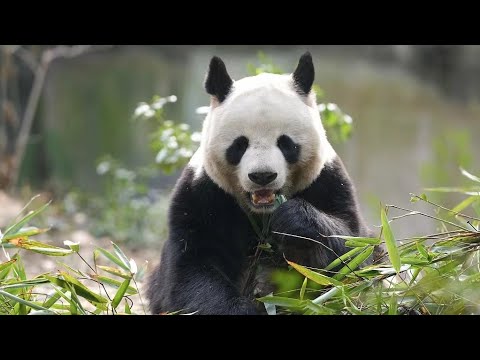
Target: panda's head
(263,135)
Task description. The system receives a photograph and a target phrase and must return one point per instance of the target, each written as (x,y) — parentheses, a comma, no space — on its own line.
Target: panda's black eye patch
(236,150)
(289,149)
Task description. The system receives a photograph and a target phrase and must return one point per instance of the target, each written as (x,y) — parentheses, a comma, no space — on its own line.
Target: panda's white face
(264,139)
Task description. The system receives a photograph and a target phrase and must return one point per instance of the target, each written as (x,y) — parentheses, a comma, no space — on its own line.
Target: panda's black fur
(211,239)
(202,264)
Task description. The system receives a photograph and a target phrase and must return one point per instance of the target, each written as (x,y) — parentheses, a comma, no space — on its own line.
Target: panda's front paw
(293,217)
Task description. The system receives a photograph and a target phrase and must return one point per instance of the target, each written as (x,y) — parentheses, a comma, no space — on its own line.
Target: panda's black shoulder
(199,194)
(198,204)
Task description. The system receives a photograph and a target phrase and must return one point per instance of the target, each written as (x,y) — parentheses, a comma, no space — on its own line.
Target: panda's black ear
(304,74)
(217,82)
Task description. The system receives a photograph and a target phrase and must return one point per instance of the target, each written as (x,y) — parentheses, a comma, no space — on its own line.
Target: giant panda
(262,137)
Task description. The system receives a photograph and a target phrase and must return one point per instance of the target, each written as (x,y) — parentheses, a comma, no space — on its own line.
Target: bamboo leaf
(113,258)
(282,301)
(18,225)
(314,276)
(304,287)
(465,203)
(421,249)
(74,246)
(24,302)
(80,289)
(38,247)
(128,310)
(472,190)
(115,283)
(469,176)
(120,293)
(7,264)
(390,242)
(25,232)
(115,271)
(364,240)
(344,257)
(355,263)
(123,258)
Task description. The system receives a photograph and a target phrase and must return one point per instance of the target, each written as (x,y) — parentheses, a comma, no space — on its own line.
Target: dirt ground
(36,264)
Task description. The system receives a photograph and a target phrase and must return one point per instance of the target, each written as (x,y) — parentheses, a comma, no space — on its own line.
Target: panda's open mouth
(264,197)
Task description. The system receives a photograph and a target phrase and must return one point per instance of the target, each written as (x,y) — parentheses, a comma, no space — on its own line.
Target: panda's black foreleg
(298,217)
(190,285)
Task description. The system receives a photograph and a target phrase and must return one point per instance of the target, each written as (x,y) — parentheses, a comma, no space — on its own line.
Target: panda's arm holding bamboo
(327,207)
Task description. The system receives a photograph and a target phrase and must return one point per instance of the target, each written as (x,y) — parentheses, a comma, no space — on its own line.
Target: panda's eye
(236,150)
(289,149)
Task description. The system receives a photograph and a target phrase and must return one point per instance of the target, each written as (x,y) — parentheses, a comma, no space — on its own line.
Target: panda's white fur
(262,108)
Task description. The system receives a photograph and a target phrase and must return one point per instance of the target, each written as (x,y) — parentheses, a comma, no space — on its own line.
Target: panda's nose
(262,178)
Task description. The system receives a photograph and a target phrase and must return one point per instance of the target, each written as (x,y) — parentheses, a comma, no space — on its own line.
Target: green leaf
(473,190)
(113,258)
(17,226)
(7,264)
(364,240)
(74,246)
(115,271)
(414,261)
(355,263)
(282,301)
(421,249)
(120,293)
(304,287)
(390,242)
(25,232)
(469,176)
(80,289)
(354,244)
(465,203)
(115,283)
(314,276)
(344,258)
(75,304)
(22,284)
(123,258)
(392,309)
(24,302)
(38,247)
(48,303)
(127,310)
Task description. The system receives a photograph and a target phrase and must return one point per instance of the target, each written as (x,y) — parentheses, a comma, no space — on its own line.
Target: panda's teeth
(263,197)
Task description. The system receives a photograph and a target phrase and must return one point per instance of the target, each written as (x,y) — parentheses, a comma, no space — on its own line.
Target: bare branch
(27,57)
(47,57)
